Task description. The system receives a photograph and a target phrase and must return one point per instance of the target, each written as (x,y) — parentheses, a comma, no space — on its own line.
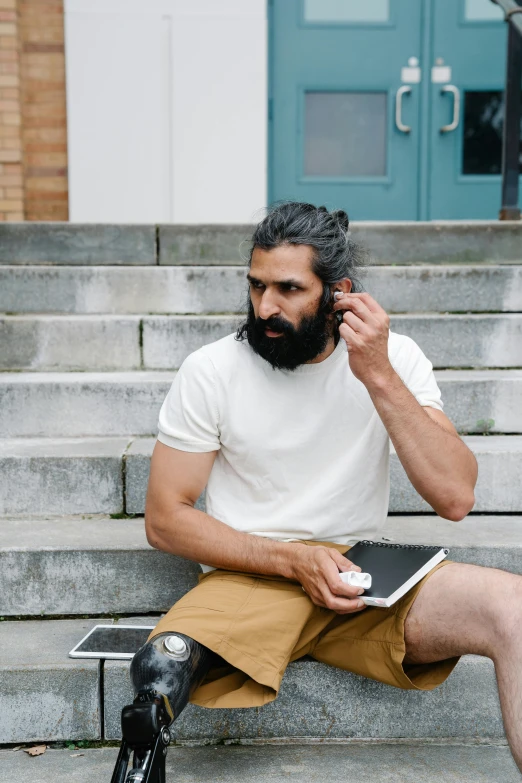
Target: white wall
(166,110)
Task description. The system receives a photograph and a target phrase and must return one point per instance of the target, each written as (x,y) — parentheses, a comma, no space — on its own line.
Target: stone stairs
(96,320)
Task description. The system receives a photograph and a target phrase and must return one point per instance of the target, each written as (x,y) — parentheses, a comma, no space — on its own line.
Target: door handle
(454,124)
(404,90)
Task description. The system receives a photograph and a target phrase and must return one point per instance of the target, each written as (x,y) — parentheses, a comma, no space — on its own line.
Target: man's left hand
(365,329)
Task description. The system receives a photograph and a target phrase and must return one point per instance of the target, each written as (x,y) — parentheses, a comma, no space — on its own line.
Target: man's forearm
(438,463)
(197,536)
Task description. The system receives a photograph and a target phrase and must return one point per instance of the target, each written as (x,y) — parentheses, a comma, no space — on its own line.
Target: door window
(345,134)
(346,11)
(482,11)
(482,133)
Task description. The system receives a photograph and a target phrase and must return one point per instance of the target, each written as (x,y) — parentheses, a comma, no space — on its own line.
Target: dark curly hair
(335,255)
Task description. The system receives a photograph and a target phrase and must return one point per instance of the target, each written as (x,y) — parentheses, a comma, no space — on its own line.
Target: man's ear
(344,285)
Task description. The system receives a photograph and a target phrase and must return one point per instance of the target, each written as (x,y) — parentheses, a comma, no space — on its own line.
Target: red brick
(11,118)
(11,144)
(8,56)
(11,205)
(13,181)
(8,80)
(46,158)
(8,42)
(9,106)
(45,195)
(10,156)
(46,135)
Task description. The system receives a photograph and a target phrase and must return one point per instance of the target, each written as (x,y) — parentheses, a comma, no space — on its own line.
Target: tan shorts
(259,624)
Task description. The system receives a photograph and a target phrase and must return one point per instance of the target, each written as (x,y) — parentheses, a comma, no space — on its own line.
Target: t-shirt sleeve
(188,418)
(416,371)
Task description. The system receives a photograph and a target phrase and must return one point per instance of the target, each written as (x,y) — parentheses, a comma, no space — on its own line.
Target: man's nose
(268,306)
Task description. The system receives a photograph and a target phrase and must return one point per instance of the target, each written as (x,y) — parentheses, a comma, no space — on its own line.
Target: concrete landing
(315,763)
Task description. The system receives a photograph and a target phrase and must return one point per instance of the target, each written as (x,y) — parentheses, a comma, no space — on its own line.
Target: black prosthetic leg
(164,672)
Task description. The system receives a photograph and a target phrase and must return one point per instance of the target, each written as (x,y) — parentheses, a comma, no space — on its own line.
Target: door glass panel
(345,134)
(347,10)
(482,10)
(483,122)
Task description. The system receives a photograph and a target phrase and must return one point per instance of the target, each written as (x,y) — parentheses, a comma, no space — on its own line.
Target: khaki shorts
(259,624)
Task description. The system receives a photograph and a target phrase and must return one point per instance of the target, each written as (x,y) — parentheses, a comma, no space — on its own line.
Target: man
(288,424)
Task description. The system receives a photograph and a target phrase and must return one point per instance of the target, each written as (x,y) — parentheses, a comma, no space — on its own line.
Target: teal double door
(389,109)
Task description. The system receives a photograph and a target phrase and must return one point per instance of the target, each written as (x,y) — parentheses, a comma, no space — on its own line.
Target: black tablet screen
(114,640)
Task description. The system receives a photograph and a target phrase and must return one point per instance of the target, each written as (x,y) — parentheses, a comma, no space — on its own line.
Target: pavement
(365,762)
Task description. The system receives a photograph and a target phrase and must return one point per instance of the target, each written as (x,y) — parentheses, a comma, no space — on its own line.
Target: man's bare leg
(469,609)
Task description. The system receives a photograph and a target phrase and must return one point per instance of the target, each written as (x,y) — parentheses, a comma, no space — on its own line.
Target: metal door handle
(404,90)
(454,124)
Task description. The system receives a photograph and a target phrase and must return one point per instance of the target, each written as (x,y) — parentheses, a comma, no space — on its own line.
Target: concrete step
(83,403)
(445,241)
(316,700)
(45,694)
(63,699)
(66,476)
(84,565)
(47,342)
(498,488)
(366,762)
(88,475)
(213,290)
(117,403)
(112,342)
(76,243)
(474,242)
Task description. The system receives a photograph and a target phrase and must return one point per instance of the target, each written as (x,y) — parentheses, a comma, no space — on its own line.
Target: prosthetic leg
(164,672)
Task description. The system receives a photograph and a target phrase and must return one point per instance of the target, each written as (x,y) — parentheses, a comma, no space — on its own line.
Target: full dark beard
(295,346)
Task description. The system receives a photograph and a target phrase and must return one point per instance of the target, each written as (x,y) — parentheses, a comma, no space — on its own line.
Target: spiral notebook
(394,568)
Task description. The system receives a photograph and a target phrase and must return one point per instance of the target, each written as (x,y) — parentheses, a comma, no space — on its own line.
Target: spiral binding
(401,546)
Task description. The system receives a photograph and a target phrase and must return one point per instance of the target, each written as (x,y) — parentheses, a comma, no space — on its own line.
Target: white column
(167,110)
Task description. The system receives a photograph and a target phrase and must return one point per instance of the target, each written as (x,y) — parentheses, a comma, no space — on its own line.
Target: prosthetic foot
(164,672)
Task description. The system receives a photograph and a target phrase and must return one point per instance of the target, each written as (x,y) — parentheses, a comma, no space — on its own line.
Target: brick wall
(33,122)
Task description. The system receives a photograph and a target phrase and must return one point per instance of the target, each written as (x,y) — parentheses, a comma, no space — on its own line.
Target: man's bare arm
(173,525)
(438,463)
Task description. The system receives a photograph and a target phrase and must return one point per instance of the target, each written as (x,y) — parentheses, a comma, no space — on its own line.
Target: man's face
(285,325)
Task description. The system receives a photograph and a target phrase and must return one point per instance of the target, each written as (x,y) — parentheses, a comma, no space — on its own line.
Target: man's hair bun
(342,218)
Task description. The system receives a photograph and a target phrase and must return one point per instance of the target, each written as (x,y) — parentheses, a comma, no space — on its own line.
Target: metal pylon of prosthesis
(147,737)
(177,664)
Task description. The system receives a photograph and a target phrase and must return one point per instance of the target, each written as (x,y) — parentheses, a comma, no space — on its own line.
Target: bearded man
(288,425)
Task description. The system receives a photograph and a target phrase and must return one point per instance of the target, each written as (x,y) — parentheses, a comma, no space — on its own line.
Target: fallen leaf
(18,747)
(37,750)
(75,755)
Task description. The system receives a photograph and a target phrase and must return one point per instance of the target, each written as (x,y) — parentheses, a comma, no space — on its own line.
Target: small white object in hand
(355,579)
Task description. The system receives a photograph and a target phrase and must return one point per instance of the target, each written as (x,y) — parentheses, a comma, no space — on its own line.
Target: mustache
(275,323)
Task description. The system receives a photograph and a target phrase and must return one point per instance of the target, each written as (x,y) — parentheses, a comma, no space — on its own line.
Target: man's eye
(256,284)
(289,288)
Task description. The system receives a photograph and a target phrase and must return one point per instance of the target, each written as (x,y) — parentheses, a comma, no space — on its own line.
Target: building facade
(204,111)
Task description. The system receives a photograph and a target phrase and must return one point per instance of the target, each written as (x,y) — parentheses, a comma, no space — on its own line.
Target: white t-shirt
(302,454)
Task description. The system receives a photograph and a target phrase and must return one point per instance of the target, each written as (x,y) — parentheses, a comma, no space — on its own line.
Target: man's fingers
(344,605)
(336,585)
(364,298)
(342,562)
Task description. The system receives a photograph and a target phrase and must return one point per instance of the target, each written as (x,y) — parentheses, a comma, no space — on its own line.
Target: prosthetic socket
(164,672)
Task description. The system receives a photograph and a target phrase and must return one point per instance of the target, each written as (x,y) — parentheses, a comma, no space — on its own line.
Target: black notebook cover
(391,565)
